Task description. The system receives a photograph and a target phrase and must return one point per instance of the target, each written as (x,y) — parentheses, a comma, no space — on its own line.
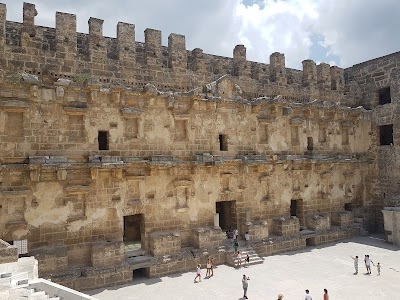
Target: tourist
(280,297)
(212,266)
(326,297)
(208,266)
(355,259)
(238,259)
(198,273)
(308,296)
(378,266)
(247,238)
(236,245)
(235,234)
(247,260)
(367,262)
(245,286)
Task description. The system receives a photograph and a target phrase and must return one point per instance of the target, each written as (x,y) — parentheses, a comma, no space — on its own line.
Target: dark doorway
(293,208)
(348,207)
(311,242)
(223,142)
(386,134)
(227,214)
(142,273)
(310,145)
(103,140)
(133,228)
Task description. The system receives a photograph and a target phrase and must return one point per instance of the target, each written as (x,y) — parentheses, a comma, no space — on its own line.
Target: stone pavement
(315,268)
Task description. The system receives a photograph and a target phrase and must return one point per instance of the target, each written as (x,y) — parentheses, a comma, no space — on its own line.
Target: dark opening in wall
(384,95)
(386,134)
(103,140)
(293,208)
(223,142)
(348,207)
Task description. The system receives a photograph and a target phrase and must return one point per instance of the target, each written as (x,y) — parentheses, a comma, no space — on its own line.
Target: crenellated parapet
(62,52)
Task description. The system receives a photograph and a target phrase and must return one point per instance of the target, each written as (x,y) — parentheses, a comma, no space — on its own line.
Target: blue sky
(341,32)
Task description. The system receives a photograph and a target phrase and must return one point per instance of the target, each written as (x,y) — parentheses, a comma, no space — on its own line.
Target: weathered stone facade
(107,141)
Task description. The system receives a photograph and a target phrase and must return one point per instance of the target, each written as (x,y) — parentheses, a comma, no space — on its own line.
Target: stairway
(244,250)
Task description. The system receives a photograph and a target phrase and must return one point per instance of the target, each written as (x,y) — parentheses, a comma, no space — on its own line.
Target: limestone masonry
(117,155)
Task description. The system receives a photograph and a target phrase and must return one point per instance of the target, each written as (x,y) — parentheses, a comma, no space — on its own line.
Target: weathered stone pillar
(152,41)
(309,73)
(97,44)
(277,68)
(177,52)
(126,48)
(29,14)
(198,62)
(239,61)
(66,40)
(324,76)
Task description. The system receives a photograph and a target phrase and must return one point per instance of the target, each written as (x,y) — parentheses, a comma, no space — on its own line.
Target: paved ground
(328,266)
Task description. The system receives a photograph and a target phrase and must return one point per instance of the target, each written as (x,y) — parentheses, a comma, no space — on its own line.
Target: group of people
(308,296)
(368,262)
(209,272)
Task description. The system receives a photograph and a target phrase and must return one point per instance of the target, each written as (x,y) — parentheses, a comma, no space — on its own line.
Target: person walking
(247,260)
(378,266)
(355,259)
(238,259)
(212,266)
(236,245)
(367,262)
(208,266)
(198,273)
(326,296)
(247,238)
(308,296)
(245,285)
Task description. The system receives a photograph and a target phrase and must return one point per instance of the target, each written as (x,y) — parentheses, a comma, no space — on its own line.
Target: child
(198,273)
(247,260)
(378,266)
(238,259)
(208,272)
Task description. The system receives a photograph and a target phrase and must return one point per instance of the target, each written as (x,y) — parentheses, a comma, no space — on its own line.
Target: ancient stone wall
(8,253)
(104,142)
(61,52)
(377,82)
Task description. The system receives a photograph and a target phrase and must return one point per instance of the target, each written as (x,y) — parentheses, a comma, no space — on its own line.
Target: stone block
(205,238)
(343,219)
(164,243)
(320,221)
(286,226)
(258,230)
(107,254)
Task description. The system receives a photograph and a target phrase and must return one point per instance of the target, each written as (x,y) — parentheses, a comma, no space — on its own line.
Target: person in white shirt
(247,238)
(245,286)
(308,296)
(355,263)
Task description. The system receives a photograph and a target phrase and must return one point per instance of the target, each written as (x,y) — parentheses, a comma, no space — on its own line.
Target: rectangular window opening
(386,134)
(384,95)
(103,140)
(223,142)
